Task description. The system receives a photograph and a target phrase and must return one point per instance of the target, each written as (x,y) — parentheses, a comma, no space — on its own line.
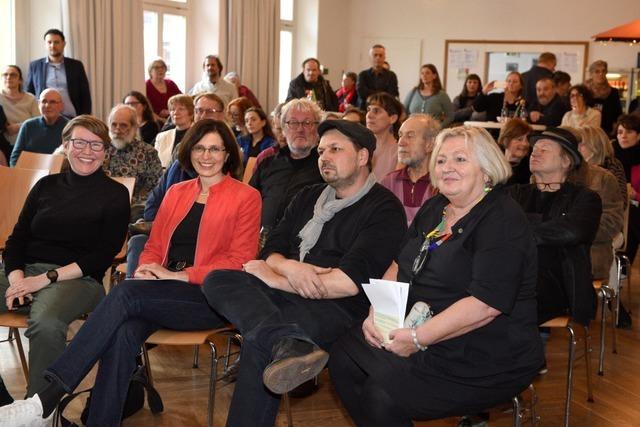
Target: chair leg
(572,350)
(287,408)
(534,405)
(517,411)
(615,303)
(147,364)
(212,383)
(587,358)
(196,355)
(23,359)
(627,263)
(603,320)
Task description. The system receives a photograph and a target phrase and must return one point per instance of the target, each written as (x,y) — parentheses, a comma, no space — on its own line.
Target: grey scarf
(325,208)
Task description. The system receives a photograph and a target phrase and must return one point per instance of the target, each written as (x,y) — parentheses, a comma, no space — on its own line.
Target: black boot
(294,362)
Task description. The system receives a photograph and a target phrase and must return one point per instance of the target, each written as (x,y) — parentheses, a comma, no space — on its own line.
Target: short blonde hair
(90,123)
(489,157)
(185,100)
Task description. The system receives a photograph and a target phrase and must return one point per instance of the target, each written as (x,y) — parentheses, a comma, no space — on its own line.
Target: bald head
(50,105)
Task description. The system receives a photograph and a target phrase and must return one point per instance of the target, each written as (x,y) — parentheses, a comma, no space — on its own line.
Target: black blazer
(77,82)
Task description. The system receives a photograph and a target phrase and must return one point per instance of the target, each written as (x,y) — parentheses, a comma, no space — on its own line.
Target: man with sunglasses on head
(41,134)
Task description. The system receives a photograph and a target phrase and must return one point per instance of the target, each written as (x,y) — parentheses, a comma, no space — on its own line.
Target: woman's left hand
(26,286)
(401,342)
(156,271)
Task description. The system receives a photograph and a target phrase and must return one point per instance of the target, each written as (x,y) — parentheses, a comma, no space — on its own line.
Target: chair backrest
(15,184)
(130,183)
(625,224)
(248,169)
(30,160)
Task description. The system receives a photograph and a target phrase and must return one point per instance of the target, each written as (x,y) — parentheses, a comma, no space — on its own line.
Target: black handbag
(135,400)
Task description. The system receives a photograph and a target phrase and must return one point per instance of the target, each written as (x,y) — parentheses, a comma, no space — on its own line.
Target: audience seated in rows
(383,119)
(260,136)
(606,99)
(496,103)
(129,156)
(310,84)
(377,78)
(42,134)
(159,88)
(564,216)
(480,285)
(213,82)
(181,110)
(514,141)
(355,114)
(233,78)
(428,97)
(305,291)
(463,103)
(581,114)
(347,94)
(412,184)
(203,225)
(279,177)
(59,72)
(70,228)
(147,125)
(548,108)
(544,68)
(235,115)
(18,105)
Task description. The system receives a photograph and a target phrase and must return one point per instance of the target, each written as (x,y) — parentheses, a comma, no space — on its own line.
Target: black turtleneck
(70,218)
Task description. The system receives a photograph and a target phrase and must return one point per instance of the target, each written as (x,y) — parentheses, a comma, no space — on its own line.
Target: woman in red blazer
(207,223)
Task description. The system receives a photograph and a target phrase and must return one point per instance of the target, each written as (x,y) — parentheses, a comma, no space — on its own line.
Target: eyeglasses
(294,124)
(200,149)
(9,75)
(549,186)
(80,144)
(207,110)
(132,103)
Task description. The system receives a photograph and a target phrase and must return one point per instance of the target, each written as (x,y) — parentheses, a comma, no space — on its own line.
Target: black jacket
(552,113)
(530,79)
(563,231)
(325,96)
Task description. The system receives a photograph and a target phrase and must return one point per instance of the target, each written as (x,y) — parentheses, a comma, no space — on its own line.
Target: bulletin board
(463,57)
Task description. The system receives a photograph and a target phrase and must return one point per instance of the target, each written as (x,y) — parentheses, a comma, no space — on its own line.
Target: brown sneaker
(294,362)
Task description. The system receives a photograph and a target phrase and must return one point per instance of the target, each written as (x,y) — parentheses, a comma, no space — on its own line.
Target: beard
(120,143)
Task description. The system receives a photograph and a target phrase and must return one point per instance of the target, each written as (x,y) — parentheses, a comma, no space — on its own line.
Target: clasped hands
(155,271)
(299,277)
(21,287)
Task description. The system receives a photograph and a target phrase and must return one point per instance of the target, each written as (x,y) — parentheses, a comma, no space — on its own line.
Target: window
(165,36)
(287,30)
(7,41)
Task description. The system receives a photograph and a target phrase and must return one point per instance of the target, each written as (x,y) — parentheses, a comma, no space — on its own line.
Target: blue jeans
(264,316)
(135,245)
(114,333)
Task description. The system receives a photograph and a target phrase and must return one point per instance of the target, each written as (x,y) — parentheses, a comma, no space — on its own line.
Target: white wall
(202,37)
(31,23)
(332,50)
(305,44)
(434,21)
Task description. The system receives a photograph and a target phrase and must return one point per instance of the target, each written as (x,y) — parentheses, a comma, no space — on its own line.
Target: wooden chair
(196,338)
(51,162)
(15,185)
(565,322)
(249,169)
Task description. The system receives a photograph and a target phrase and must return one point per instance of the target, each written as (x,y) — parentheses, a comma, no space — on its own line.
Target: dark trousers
(264,316)
(114,333)
(633,235)
(379,388)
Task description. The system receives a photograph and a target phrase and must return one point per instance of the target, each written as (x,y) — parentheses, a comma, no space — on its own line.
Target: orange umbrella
(629,33)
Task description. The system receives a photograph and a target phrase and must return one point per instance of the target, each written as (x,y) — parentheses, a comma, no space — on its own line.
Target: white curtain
(249,42)
(107,36)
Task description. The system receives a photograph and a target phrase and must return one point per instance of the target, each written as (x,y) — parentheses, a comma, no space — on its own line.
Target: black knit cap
(357,133)
(566,139)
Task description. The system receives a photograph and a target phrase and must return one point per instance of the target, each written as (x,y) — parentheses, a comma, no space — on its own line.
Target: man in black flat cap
(305,291)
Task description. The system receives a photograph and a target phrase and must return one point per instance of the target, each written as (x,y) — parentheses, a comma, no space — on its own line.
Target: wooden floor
(184,390)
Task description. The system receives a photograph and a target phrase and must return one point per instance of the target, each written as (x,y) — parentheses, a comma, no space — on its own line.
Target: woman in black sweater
(71,226)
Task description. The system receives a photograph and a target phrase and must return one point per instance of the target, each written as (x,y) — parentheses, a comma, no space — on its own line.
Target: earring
(487,186)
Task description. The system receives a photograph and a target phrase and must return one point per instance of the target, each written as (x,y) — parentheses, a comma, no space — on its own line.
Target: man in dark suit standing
(66,75)
(544,69)
(377,78)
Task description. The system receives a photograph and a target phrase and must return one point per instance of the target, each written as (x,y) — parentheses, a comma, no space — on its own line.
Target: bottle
(504,114)
(523,112)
